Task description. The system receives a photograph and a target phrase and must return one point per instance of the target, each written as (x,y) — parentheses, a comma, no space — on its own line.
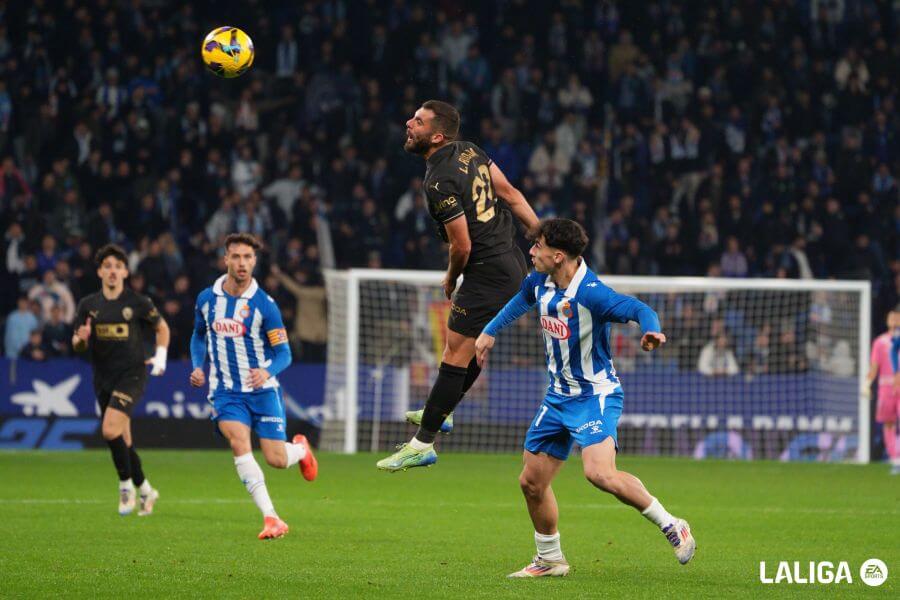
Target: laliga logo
(873,572)
(555,328)
(229,328)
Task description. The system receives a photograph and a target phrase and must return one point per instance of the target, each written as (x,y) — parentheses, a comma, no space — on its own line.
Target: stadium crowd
(729,138)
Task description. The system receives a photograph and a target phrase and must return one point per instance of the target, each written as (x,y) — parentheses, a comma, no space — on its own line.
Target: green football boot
(407,457)
(415,417)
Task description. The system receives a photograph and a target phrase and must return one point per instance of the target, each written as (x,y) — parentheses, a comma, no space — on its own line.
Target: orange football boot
(309,466)
(273,527)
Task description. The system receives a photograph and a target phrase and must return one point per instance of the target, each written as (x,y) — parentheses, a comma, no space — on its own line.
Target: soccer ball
(227,51)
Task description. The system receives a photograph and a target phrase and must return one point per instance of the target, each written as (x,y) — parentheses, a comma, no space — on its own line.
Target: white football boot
(679,535)
(147,503)
(541,567)
(127,500)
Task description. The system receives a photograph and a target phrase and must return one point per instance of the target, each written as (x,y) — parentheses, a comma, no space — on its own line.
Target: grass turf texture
(454,531)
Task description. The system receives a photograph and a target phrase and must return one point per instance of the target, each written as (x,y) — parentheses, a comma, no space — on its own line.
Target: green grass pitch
(451,531)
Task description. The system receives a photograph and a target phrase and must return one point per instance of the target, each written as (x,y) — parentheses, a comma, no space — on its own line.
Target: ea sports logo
(873,572)
(229,328)
(555,328)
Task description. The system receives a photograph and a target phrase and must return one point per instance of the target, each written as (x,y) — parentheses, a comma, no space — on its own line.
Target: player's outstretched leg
(445,395)
(538,472)
(600,469)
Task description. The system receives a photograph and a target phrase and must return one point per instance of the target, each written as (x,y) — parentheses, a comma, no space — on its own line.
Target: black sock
(445,395)
(137,471)
(120,457)
(472,374)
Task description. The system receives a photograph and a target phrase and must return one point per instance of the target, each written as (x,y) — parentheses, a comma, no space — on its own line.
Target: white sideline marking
(693,509)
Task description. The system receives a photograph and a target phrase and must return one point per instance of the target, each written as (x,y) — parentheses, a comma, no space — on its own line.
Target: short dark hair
(446,118)
(108,250)
(563,234)
(242,238)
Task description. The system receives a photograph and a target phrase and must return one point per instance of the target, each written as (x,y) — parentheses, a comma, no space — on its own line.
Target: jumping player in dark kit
(462,186)
(109,324)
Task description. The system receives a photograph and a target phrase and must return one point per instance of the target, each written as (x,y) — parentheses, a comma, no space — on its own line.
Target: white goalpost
(753,368)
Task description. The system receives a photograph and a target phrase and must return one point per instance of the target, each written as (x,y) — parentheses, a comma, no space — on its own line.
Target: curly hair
(563,234)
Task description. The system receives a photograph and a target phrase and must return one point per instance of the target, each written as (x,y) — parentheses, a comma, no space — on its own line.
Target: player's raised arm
(514,198)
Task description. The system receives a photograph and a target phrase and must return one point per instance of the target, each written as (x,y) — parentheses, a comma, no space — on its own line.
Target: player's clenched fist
(83,333)
(652,340)
(198,378)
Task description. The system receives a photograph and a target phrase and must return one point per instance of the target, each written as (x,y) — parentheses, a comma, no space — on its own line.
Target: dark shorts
(487,286)
(122,392)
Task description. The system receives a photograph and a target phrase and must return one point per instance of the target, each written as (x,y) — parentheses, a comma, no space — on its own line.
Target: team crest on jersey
(555,328)
(566,310)
(244,312)
(127,313)
(229,328)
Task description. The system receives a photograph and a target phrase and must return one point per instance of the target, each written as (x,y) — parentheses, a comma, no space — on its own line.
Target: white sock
(657,514)
(548,546)
(255,482)
(415,444)
(146,488)
(295,453)
(126,485)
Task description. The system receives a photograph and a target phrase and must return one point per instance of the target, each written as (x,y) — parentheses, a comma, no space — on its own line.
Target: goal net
(753,368)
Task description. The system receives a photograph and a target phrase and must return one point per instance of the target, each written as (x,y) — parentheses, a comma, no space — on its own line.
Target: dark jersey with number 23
(458,182)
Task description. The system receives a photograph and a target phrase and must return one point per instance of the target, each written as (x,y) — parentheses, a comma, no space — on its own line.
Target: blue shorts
(562,421)
(263,412)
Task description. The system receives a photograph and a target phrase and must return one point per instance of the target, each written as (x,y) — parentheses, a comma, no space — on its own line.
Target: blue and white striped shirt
(242,333)
(576,323)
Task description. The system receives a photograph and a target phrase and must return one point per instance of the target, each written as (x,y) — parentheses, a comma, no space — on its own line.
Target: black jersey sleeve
(146,310)
(445,201)
(81,313)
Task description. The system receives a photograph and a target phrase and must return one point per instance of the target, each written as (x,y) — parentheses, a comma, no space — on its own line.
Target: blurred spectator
(310,318)
(52,292)
(57,334)
(19,325)
(717,358)
(35,349)
(734,263)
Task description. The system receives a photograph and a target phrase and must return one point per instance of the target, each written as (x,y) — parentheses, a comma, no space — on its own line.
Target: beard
(417,146)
